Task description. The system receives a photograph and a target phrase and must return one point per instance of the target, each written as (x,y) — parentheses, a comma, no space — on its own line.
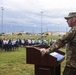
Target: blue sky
(25,15)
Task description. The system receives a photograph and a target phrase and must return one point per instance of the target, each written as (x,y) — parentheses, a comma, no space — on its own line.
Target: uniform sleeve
(69,36)
(61,42)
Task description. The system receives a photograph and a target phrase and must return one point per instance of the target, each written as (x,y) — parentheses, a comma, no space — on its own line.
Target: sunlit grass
(14,63)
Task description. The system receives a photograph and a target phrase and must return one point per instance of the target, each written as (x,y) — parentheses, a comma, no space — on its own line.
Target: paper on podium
(57,55)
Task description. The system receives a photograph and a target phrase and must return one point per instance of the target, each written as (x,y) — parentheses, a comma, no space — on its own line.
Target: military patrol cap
(72,14)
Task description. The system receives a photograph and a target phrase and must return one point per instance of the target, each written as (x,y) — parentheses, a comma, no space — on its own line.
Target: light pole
(41,23)
(2,20)
(58,27)
(34,29)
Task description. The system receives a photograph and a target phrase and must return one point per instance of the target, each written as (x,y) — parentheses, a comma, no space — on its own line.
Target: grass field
(14,62)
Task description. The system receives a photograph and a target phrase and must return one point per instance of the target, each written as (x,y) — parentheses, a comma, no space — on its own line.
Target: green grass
(30,36)
(14,63)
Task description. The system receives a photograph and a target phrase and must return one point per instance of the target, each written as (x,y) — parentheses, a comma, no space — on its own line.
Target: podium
(49,64)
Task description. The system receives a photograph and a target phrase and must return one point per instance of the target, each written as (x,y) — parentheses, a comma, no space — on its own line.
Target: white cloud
(37,5)
(25,12)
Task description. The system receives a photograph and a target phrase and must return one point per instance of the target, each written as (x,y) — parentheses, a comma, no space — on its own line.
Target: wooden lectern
(49,64)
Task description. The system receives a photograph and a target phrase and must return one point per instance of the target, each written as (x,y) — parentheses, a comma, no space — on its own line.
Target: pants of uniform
(69,71)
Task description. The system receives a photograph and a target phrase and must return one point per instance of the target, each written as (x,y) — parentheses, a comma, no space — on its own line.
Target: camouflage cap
(72,14)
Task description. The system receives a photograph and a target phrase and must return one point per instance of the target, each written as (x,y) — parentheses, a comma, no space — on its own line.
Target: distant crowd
(13,44)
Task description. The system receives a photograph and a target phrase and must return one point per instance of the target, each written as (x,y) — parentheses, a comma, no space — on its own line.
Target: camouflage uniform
(70,40)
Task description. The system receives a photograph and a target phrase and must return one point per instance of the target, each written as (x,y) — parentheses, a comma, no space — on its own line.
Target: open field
(14,62)
(29,36)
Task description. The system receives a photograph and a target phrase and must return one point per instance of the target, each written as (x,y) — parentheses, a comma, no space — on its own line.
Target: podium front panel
(33,56)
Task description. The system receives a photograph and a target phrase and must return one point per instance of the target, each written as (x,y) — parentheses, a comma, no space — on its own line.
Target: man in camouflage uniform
(69,39)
